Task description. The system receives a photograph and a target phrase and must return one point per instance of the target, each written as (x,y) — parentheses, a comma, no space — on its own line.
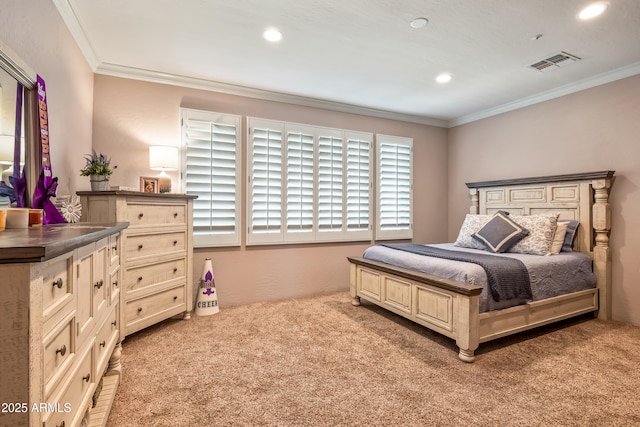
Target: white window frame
(404,228)
(288,196)
(231,210)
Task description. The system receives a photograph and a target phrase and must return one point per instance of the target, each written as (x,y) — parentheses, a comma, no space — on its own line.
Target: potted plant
(98,170)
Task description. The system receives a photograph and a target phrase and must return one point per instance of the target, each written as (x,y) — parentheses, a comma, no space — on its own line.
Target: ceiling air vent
(554,62)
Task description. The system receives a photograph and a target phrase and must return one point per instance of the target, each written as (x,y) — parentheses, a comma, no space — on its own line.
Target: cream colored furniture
(452,308)
(60,327)
(157,252)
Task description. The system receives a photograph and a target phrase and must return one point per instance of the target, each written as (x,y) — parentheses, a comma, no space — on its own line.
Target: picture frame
(149,184)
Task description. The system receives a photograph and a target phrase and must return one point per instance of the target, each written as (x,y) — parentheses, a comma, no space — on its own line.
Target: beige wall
(35,31)
(593,130)
(130,115)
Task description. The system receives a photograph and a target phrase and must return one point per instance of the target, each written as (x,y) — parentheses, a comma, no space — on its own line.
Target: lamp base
(164,183)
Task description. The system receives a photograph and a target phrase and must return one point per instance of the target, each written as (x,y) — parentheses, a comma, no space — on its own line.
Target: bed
(463,309)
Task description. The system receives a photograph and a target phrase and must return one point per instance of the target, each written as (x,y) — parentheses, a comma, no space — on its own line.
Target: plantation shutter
(358,186)
(266,183)
(307,184)
(330,186)
(211,163)
(300,188)
(394,188)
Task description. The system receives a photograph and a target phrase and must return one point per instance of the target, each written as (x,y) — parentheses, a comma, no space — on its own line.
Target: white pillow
(541,230)
(471,225)
(558,237)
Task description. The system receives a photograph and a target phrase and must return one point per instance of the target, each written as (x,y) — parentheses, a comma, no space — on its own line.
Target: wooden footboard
(445,306)
(451,308)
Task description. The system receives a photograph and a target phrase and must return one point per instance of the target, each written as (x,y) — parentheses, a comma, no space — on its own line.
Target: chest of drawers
(157,278)
(60,327)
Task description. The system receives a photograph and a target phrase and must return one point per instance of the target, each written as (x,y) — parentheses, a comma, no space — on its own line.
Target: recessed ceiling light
(444,78)
(272,35)
(419,23)
(593,10)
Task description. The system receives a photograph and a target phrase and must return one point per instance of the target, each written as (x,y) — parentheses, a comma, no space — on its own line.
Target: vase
(99,182)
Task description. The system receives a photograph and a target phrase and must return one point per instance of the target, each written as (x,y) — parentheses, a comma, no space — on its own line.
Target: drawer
(57,286)
(105,341)
(100,296)
(114,283)
(72,403)
(144,245)
(157,274)
(156,306)
(140,214)
(114,250)
(59,352)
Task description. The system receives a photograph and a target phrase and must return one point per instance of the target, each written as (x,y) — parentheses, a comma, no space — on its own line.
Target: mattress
(550,276)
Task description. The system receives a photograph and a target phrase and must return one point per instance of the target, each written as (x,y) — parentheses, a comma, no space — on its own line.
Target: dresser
(156,261)
(60,324)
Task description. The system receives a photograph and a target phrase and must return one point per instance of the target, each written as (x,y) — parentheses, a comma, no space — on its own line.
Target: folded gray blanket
(507,277)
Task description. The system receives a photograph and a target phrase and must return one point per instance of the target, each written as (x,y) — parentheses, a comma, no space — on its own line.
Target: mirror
(12,71)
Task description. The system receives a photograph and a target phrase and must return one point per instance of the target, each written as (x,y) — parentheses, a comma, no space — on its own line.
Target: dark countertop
(36,244)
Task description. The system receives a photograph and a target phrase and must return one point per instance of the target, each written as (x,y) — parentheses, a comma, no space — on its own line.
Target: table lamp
(163,158)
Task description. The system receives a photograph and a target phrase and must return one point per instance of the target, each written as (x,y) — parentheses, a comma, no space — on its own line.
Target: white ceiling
(362,55)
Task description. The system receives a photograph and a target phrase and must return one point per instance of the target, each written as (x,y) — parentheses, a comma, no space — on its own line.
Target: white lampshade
(163,157)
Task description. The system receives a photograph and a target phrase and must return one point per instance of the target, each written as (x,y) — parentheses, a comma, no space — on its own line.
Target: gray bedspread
(507,278)
(549,276)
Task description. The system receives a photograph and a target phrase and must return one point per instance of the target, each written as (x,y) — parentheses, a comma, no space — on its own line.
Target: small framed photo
(149,184)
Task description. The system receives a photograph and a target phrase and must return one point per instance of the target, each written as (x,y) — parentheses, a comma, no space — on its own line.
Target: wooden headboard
(582,196)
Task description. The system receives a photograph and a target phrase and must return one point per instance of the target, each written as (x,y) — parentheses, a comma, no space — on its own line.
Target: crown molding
(231,89)
(588,83)
(72,22)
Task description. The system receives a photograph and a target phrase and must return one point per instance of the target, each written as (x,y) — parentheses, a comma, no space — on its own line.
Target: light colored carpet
(322,362)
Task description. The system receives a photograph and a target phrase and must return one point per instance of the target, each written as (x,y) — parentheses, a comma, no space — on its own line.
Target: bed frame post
(353,285)
(601,250)
(467,325)
(474,209)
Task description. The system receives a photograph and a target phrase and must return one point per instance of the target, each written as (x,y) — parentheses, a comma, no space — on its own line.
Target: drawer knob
(139,309)
(114,248)
(175,298)
(140,279)
(103,343)
(175,242)
(175,214)
(62,350)
(140,215)
(114,323)
(115,283)
(99,284)
(58,283)
(62,424)
(175,269)
(139,247)
(86,378)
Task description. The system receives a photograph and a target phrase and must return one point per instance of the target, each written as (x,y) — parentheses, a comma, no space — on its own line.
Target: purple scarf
(47,184)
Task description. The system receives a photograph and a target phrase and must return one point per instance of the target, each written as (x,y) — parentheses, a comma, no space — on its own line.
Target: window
(211,165)
(307,184)
(394,187)
(304,183)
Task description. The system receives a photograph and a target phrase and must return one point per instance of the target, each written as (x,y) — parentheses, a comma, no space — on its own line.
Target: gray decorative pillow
(500,233)
(570,235)
(541,228)
(472,223)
